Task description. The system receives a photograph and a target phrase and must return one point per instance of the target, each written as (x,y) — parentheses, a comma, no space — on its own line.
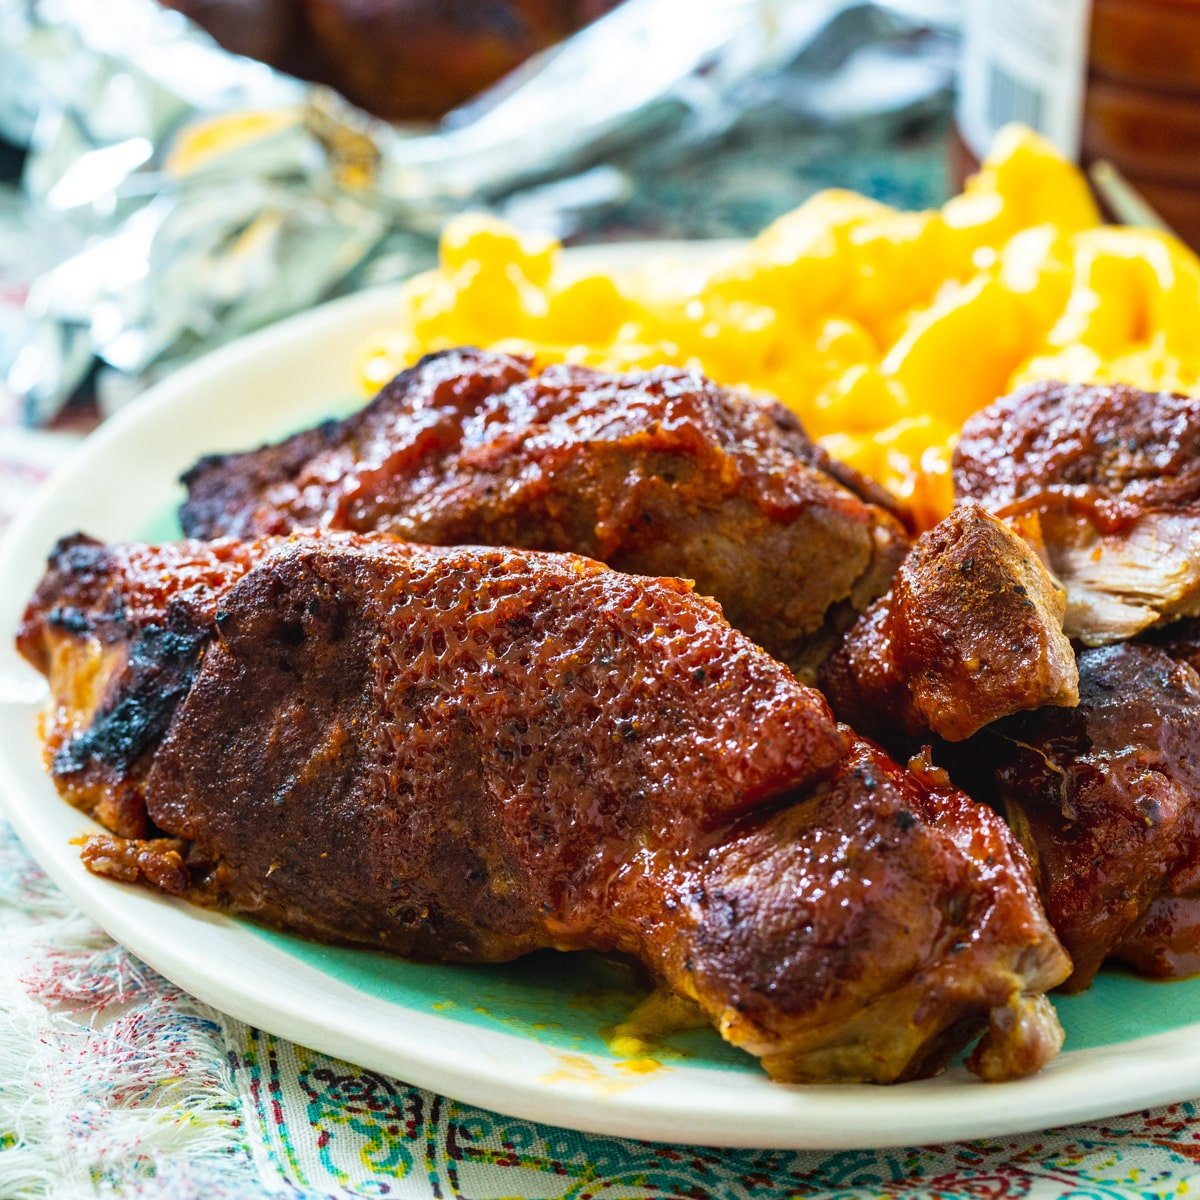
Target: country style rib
(655,472)
(969,632)
(467,754)
(1112,475)
(1106,799)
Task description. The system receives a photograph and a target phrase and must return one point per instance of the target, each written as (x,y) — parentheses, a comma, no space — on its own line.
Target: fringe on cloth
(112,1081)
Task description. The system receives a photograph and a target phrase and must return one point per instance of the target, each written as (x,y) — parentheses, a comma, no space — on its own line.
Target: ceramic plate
(525,1039)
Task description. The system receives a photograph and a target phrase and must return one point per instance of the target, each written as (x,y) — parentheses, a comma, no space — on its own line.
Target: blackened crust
(162,663)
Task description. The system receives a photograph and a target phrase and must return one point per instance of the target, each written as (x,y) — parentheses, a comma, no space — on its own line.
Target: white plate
(116,486)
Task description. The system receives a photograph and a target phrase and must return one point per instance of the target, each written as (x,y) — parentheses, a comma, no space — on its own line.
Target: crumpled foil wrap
(175,196)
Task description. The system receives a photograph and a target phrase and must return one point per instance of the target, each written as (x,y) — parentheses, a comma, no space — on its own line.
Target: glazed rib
(655,473)
(1113,476)
(468,754)
(1106,799)
(969,632)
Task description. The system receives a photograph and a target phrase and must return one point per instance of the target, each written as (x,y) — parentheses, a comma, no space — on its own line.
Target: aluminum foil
(176,196)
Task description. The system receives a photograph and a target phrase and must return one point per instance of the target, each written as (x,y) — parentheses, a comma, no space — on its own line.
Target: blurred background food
(170,195)
(398,59)
(166,194)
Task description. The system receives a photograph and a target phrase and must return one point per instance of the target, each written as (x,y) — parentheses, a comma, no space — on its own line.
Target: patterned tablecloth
(115,1083)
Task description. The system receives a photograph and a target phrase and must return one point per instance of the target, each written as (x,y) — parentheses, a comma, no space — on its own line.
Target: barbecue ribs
(1112,475)
(1105,482)
(655,473)
(119,631)
(970,631)
(1106,799)
(467,754)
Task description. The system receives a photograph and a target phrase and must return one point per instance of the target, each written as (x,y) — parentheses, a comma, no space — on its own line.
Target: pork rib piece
(1113,474)
(468,754)
(1106,799)
(655,473)
(969,632)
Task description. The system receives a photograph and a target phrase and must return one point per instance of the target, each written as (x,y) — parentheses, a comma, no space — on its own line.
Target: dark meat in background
(1104,484)
(399,59)
(1112,474)
(467,754)
(969,632)
(656,473)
